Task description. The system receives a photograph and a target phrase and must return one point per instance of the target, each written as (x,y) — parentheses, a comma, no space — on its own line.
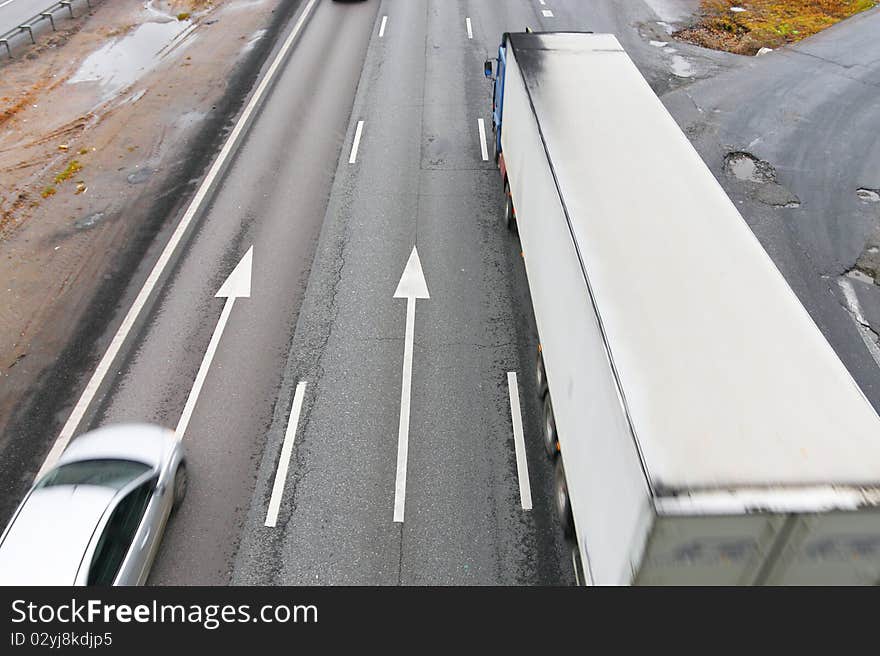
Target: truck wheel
(509,216)
(540,375)
(563,503)
(578,565)
(551,437)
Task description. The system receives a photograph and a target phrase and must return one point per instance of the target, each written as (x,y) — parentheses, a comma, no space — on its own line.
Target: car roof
(140,442)
(50,535)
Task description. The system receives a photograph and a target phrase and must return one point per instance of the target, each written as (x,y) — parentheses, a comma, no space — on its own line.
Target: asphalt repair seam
(418,215)
(307,349)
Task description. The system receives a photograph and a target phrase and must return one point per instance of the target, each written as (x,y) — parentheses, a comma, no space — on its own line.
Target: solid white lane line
(547,13)
(405,399)
(382,27)
(128,322)
(483,148)
(519,443)
(286,451)
(470,30)
(3,4)
(356,144)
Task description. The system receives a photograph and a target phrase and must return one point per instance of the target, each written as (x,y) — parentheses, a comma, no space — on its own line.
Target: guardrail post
(22,28)
(43,15)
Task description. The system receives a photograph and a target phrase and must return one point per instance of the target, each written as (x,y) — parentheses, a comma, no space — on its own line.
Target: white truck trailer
(706,431)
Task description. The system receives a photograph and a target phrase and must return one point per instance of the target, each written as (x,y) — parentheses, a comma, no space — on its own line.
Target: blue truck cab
(498,65)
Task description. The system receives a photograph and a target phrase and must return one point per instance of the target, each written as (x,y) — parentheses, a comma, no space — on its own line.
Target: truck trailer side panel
(727,379)
(609,494)
(709,432)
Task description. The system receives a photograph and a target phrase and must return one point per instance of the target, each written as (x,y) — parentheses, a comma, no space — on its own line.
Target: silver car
(98,516)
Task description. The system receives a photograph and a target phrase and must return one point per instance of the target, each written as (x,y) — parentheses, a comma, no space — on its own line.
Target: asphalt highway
(367,145)
(418,179)
(273,198)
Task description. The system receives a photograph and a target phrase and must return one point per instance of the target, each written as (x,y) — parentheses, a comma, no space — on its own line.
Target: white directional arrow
(412,285)
(237,285)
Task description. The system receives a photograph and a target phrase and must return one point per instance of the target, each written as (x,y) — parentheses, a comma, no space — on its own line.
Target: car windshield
(108,473)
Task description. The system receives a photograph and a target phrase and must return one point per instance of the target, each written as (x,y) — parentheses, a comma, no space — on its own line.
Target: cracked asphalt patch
(868,195)
(868,263)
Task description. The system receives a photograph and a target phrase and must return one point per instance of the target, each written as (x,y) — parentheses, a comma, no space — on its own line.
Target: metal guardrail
(28,25)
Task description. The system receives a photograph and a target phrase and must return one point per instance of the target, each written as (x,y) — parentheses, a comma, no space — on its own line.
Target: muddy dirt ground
(96,121)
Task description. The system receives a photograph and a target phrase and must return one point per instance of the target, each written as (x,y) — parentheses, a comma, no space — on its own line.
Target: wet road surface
(367,145)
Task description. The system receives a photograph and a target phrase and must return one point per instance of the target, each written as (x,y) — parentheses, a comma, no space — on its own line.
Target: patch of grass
(766,23)
(72,169)
(48,191)
(182,16)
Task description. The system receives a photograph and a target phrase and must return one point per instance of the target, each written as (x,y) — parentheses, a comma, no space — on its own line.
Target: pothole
(867,267)
(681,67)
(868,195)
(745,166)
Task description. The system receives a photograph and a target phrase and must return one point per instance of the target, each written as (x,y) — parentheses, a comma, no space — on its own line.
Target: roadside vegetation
(746,26)
(72,169)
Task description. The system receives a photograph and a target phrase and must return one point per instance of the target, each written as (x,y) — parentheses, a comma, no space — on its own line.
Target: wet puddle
(89,221)
(139,176)
(747,167)
(121,62)
(681,67)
